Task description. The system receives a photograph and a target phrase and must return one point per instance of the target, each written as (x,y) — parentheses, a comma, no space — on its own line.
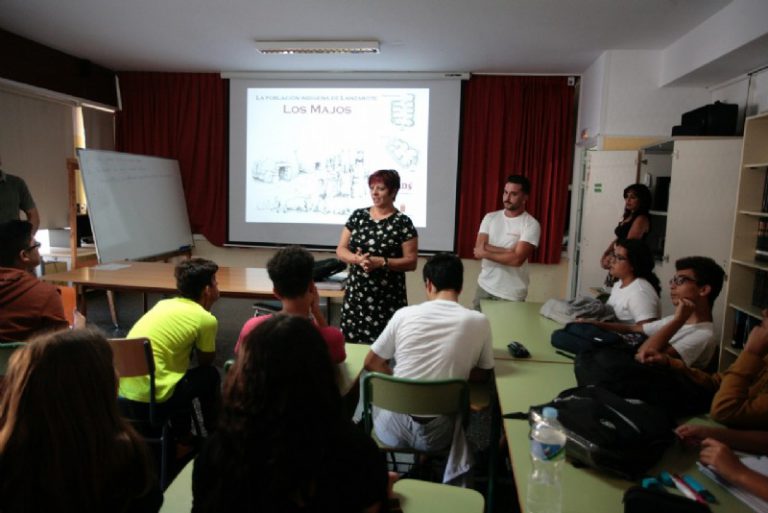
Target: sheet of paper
(757,504)
(111,267)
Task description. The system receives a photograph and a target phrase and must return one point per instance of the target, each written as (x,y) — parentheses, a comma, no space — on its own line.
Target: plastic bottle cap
(549,412)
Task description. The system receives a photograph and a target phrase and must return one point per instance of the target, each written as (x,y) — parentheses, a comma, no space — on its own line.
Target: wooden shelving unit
(743,267)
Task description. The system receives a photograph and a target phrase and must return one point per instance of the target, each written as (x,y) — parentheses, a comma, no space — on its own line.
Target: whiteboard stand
(73,167)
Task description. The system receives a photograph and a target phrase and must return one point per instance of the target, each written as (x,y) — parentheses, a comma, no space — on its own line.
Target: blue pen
(698,488)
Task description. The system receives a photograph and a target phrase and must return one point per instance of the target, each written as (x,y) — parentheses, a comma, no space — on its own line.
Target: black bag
(643,500)
(609,433)
(615,369)
(576,337)
(327,267)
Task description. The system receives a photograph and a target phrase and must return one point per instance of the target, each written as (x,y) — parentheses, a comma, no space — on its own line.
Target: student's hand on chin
(685,308)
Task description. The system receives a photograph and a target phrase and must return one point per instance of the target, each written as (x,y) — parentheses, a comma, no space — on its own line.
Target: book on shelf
(764,206)
(761,249)
(758,464)
(742,326)
(760,289)
(739,321)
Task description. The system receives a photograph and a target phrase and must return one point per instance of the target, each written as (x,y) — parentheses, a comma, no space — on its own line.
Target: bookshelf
(747,285)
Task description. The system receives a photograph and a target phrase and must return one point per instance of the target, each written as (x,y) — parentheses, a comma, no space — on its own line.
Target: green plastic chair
(413,397)
(6,350)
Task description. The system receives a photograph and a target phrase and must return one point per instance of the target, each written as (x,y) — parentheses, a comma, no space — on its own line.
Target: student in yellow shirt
(175,327)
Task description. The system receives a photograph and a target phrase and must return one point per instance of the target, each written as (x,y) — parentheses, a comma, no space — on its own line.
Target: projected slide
(309,151)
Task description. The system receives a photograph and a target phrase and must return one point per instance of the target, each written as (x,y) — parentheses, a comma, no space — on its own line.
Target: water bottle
(547,456)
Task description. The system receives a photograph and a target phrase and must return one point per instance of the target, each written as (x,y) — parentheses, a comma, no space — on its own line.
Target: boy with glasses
(27,305)
(688,334)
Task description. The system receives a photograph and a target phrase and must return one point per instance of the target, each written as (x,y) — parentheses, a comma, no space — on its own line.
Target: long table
(520,321)
(522,383)
(242,282)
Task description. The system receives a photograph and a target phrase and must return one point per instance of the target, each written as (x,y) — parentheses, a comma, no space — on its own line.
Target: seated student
(688,334)
(63,445)
(283,444)
(438,339)
(175,327)
(741,399)
(635,294)
(290,270)
(717,446)
(27,305)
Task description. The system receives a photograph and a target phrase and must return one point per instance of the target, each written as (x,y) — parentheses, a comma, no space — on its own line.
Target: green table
(425,497)
(415,496)
(522,384)
(352,366)
(520,321)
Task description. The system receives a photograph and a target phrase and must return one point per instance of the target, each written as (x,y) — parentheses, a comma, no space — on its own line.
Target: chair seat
(407,450)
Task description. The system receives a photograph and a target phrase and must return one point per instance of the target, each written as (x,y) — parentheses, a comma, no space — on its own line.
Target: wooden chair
(133,358)
(69,300)
(413,397)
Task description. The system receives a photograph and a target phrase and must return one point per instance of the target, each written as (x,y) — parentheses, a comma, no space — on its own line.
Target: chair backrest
(6,350)
(414,397)
(69,300)
(133,358)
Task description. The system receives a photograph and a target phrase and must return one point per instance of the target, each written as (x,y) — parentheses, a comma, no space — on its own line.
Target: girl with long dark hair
(283,444)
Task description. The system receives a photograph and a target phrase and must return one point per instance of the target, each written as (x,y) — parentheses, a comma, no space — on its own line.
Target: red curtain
(516,125)
(182,116)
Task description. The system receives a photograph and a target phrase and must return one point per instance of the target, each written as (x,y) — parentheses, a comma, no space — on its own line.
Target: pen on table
(686,489)
(699,488)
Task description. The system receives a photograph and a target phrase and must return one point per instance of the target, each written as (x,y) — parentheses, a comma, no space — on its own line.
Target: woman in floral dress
(380,244)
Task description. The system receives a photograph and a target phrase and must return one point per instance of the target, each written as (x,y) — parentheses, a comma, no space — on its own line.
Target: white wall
(36,138)
(751,95)
(634,102)
(721,43)
(591,93)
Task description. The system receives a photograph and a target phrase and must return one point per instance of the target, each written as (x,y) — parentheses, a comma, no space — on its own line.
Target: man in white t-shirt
(505,241)
(438,339)
(688,334)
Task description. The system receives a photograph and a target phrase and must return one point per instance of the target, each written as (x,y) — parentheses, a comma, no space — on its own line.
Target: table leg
(112,309)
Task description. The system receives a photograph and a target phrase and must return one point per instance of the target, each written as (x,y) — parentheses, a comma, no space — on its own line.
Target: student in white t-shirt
(688,334)
(505,242)
(437,339)
(635,295)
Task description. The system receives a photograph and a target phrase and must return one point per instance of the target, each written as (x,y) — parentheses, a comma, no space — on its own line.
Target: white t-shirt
(438,339)
(501,280)
(695,343)
(636,302)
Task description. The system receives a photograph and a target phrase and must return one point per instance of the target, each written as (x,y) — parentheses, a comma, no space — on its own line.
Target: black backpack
(619,436)
(615,369)
(323,269)
(576,337)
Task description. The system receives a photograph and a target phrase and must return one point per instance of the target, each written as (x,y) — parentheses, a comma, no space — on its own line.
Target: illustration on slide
(316,169)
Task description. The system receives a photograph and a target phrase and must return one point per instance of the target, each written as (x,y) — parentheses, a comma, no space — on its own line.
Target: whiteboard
(136,204)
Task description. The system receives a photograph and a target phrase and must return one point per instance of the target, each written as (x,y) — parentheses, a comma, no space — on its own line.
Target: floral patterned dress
(372,298)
